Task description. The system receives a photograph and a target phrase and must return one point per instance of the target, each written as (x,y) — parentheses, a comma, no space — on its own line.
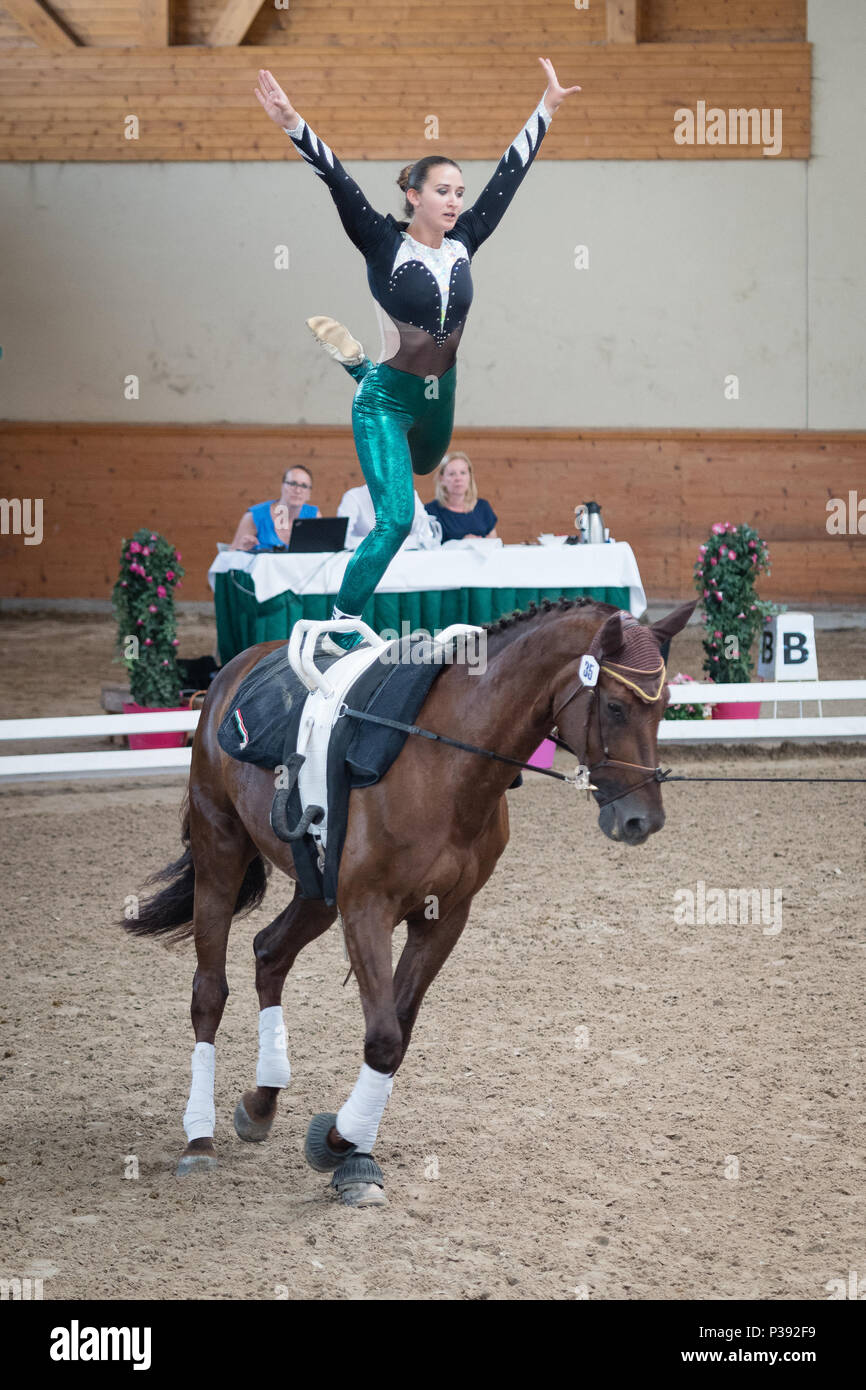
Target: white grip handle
(302,645)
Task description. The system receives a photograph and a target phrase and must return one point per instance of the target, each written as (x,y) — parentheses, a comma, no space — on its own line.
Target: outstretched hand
(274,100)
(555,94)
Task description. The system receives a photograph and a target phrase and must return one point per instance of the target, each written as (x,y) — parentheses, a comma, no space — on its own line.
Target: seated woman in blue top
(270,523)
(463,514)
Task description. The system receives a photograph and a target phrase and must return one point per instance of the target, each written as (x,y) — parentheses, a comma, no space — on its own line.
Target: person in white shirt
(357,505)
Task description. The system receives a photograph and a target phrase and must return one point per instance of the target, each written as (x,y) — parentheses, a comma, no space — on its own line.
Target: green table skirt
(242,621)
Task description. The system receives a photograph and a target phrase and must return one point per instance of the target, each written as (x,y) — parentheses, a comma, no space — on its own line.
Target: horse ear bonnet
(637,661)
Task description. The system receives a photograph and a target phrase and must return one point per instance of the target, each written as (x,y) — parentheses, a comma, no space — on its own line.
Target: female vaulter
(419,276)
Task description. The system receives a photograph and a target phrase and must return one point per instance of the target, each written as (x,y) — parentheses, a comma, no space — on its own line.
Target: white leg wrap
(273,1066)
(199,1117)
(359,1119)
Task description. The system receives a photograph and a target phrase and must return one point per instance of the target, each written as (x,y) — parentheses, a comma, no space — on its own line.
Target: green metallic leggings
(402,425)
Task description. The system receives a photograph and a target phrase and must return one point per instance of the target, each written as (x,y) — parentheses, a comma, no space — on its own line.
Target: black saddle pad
(262,724)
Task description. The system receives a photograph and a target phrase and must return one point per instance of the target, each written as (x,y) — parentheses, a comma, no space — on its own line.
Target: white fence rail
(114,762)
(768,692)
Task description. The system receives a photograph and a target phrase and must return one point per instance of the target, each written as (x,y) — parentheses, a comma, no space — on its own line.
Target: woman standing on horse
(419,275)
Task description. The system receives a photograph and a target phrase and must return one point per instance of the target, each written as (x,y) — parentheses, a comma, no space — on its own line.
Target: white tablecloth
(455,565)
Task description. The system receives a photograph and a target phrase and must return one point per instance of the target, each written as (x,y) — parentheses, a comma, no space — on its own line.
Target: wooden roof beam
(155,26)
(232,23)
(44,28)
(623,21)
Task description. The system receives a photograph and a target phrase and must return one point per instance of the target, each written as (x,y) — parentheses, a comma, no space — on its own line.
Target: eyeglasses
(305,487)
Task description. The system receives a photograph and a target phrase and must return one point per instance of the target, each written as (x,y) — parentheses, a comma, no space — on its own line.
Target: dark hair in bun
(414,176)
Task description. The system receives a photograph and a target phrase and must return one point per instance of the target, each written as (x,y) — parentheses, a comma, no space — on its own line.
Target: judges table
(259,598)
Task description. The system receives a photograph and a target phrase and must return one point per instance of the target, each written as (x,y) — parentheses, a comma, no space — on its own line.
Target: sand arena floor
(599,1100)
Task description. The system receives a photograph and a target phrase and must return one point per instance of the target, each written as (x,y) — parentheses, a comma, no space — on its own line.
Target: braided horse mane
(645,674)
(511,624)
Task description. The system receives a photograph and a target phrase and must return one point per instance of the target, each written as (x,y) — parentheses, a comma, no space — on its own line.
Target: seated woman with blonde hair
(462,513)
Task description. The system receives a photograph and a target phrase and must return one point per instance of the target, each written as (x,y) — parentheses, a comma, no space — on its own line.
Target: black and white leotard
(422,293)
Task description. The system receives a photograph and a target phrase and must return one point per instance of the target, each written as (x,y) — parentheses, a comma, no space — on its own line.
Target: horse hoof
(363,1194)
(359,1182)
(196,1161)
(317,1150)
(254,1131)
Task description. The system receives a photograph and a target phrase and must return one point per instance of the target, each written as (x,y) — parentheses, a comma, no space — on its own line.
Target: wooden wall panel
(694,21)
(199,104)
(661,491)
(392,24)
(535,25)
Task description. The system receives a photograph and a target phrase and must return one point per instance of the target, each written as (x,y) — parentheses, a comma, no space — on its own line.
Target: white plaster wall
(697,270)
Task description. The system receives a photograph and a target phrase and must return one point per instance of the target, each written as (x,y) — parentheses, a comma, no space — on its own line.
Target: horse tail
(171,909)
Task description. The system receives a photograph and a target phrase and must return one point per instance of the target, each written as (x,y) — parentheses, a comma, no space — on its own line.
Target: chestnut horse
(430,831)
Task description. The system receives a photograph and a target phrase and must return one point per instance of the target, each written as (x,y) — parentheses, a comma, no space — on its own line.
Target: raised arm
(364,226)
(475,224)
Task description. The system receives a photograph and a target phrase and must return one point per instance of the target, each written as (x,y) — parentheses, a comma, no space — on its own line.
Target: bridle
(585,683)
(588,685)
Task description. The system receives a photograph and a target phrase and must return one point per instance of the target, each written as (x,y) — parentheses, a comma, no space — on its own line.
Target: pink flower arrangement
(687,711)
(143,604)
(726,567)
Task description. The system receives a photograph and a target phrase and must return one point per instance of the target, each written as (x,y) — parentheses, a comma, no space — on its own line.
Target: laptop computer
(318,534)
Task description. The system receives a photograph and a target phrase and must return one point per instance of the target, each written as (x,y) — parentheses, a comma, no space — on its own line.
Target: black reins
(347,713)
(581,777)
